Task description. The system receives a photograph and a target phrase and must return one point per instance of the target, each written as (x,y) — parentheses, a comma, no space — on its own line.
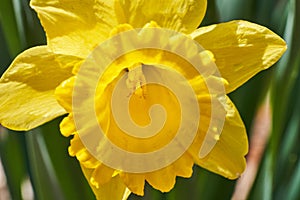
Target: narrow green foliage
(42,154)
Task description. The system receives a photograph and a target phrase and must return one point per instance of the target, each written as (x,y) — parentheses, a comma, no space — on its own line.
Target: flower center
(136,123)
(136,81)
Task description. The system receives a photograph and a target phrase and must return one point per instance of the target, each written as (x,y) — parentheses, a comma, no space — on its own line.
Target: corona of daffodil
(40,84)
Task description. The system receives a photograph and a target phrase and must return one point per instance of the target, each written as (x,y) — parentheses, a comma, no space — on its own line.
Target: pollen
(136,81)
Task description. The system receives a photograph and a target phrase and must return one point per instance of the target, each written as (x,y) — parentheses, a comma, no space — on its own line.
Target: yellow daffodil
(45,82)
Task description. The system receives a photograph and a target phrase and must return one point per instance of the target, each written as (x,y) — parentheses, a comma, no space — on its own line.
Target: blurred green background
(39,159)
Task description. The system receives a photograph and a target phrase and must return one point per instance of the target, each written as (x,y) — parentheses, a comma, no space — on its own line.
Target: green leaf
(11,27)
(55,174)
(14,161)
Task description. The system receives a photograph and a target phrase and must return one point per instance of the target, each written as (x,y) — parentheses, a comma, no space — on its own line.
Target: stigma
(136,81)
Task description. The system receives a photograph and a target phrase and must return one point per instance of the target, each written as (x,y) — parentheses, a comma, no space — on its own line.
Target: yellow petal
(75,27)
(115,189)
(63,93)
(135,182)
(27,88)
(163,179)
(227,156)
(184,166)
(67,126)
(180,15)
(83,155)
(101,175)
(241,49)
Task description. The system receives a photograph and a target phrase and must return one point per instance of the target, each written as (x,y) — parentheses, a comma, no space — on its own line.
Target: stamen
(136,81)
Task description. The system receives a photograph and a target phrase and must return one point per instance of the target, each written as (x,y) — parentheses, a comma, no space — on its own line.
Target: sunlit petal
(27,88)
(241,49)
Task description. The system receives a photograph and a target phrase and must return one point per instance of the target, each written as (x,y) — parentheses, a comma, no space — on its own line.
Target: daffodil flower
(39,84)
